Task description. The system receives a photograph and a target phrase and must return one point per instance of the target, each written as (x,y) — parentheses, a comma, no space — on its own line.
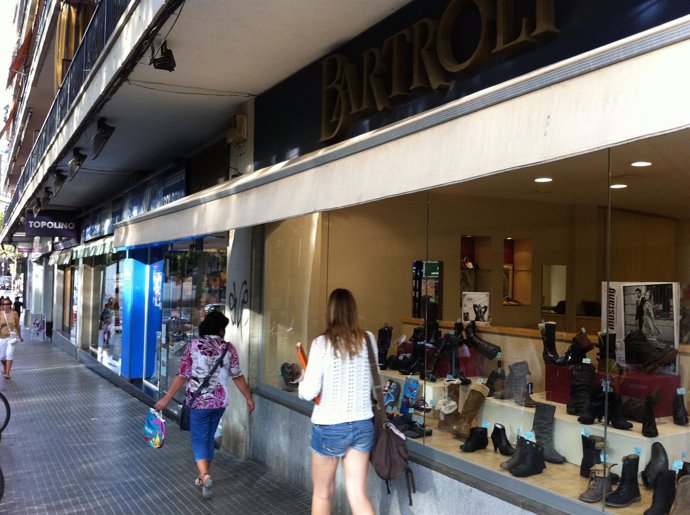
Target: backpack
(389,457)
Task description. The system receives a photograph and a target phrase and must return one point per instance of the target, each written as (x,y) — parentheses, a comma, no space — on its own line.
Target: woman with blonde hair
(339,372)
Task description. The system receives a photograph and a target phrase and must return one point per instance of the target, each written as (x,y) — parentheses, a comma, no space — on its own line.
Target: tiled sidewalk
(74,445)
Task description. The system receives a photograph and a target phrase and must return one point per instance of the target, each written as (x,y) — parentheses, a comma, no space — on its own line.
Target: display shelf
(431,391)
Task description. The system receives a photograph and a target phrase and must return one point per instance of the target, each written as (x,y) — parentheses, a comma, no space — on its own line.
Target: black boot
(500,440)
(595,408)
(580,389)
(532,462)
(579,347)
(607,353)
(664,494)
(684,471)
(548,336)
(486,349)
(680,414)
(384,342)
(641,351)
(628,490)
(478,440)
(591,453)
(649,425)
(542,427)
(616,418)
(517,456)
(657,464)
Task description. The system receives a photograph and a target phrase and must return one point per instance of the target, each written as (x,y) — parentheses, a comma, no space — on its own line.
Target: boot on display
(496,381)
(459,423)
(500,440)
(628,490)
(592,447)
(599,483)
(649,425)
(579,347)
(684,470)
(478,440)
(384,342)
(616,418)
(517,456)
(518,383)
(681,504)
(607,353)
(581,388)
(486,349)
(450,418)
(657,464)
(634,408)
(542,427)
(680,414)
(639,350)
(664,494)
(548,336)
(531,463)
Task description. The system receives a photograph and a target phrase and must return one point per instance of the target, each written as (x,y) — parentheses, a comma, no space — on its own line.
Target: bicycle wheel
(4,412)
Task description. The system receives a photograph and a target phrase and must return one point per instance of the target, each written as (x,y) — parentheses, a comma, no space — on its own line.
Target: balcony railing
(103,22)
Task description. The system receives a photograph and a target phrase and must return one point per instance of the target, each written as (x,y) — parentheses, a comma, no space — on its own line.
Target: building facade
(469,169)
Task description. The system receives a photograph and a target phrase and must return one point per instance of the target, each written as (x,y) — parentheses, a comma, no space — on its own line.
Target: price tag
(485,424)
(586,361)
(419,419)
(410,411)
(604,458)
(585,432)
(638,451)
(684,454)
(449,377)
(518,432)
(677,465)
(480,380)
(529,436)
(680,391)
(498,356)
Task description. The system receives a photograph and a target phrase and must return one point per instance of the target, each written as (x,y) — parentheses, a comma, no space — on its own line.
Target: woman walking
(10,335)
(207,409)
(339,372)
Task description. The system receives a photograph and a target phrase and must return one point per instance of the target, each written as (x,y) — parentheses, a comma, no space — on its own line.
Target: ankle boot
(517,456)
(680,414)
(542,427)
(599,483)
(591,453)
(615,418)
(486,349)
(475,399)
(500,440)
(649,425)
(628,490)
(496,379)
(643,352)
(478,440)
(634,408)
(664,494)
(548,336)
(518,383)
(681,504)
(594,409)
(579,347)
(580,388)
(684,471)
(532,462)
(657,464)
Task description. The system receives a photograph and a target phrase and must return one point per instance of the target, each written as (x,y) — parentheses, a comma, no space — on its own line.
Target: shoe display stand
(431,391)
(633,383)
(567,431)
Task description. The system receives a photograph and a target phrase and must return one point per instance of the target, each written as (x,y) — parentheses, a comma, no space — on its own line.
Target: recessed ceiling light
(543,179)
(640,164)
(618,186)
(509,238)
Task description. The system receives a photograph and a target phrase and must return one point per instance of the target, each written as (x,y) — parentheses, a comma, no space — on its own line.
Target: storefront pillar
(134,285)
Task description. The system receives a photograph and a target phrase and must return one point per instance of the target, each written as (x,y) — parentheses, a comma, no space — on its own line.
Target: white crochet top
(344,384)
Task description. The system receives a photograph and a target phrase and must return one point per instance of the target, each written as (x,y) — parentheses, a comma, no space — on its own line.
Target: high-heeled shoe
(500,440)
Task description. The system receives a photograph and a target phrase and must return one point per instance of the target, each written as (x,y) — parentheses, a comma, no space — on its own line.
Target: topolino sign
(52,223)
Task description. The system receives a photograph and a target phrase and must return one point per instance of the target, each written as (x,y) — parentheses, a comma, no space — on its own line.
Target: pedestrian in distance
(338,371)
(10,335)
(17,306)
(208,407)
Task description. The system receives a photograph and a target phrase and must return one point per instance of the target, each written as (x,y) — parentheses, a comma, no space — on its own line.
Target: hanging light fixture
(166,60)
(76,162)
(103,133)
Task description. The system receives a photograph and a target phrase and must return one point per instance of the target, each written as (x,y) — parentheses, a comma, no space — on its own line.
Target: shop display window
(585,324)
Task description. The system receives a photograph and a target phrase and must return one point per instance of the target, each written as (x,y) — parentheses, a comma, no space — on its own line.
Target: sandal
(207,487)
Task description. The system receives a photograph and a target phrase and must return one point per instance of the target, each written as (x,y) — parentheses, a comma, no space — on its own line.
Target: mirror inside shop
(533,322)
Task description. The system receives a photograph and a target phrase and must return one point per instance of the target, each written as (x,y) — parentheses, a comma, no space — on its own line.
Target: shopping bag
(154,429)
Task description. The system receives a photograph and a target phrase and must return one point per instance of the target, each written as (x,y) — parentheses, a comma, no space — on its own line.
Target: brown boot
(451,420)
(681,504)
(474,401)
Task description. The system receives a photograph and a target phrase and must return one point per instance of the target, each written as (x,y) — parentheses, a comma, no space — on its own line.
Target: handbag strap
(375,376)
(206,380)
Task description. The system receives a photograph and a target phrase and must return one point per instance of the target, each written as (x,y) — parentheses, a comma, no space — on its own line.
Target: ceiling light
(640,164)
(59,179)
(103,133)
(166,61)
(618,186)
(543,179)
(76,162)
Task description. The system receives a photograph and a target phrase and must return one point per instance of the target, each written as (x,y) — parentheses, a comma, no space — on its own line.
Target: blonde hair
(342,323)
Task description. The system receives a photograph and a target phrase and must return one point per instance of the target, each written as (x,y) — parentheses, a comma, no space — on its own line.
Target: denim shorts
(334,440)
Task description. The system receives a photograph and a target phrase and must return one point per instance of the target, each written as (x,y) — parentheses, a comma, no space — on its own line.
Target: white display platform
(432,392)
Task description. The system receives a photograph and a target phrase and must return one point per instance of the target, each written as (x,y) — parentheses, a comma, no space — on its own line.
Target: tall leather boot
(681,504)
(532,462)
(486,349)
(542,427)
(628,490)
(599,483)
(478,440)
(579,347)
(517,456)
(645,353)
(521,396)
(384,342)
(680,414)
(657,464)
(591,453)
(548,336)
(474,401)
(581,387)
(664,494)
(503,389)
(649,425)
(452,419)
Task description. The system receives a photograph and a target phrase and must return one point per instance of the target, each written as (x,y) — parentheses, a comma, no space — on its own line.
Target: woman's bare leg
(355,469)
(323,480)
